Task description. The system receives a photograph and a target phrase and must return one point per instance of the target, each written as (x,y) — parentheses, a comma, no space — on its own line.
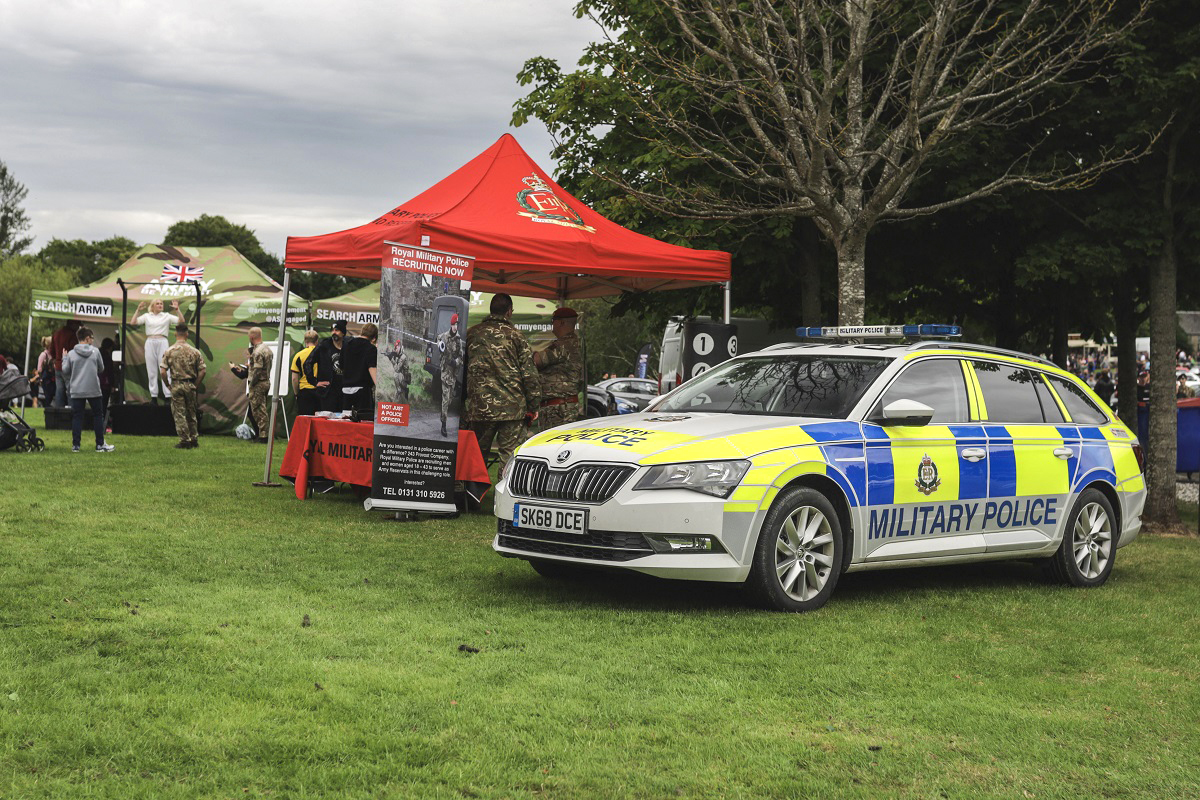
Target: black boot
(444,428)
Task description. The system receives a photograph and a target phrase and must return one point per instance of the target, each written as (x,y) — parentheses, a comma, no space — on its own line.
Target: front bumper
(617,530)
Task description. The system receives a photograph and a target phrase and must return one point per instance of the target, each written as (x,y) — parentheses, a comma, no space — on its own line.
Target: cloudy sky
(293,118)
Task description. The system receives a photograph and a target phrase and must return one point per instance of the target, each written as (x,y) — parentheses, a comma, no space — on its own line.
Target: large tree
(806,108)
(13,219)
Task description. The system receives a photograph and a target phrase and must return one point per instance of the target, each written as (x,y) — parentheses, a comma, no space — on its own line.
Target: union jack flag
(182,272)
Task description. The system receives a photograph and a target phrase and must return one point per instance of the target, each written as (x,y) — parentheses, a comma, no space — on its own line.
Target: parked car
(620,396)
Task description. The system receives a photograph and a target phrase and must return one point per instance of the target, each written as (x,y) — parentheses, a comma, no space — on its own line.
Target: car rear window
(1083,409)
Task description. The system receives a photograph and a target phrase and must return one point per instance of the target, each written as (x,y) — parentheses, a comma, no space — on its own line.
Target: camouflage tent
(234,296)
(530,315)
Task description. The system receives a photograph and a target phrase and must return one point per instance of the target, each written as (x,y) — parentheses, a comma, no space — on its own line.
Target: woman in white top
(157,323)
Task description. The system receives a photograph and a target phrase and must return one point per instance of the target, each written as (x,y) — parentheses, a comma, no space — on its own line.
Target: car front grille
(583,483)
(594,545)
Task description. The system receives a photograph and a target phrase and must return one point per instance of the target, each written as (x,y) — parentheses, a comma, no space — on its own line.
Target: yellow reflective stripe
(972,398)
(751,507)
(769,498)
(748,494)
(1134,484)
(909,448)
(977,390)
(1125,464)
(1039,471)
(1061,406)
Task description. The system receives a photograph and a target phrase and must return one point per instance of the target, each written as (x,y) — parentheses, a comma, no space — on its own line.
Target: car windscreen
(799,385)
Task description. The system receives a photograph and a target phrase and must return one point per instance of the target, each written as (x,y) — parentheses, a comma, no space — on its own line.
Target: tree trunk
(1125,318)
(1161,505)
(1059,343)
(808,248)
(852,279)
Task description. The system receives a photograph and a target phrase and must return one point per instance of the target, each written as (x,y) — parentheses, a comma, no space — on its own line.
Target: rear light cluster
(1141,456)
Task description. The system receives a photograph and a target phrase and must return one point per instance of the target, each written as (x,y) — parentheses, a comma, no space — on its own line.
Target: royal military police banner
(423,301)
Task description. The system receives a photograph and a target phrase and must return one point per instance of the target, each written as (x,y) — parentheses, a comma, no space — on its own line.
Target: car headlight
(718,478)
(625,407)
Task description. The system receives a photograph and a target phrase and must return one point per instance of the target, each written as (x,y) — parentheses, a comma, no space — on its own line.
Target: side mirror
(906,412)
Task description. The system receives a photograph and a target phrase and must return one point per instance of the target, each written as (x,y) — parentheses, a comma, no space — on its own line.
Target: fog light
(682,543)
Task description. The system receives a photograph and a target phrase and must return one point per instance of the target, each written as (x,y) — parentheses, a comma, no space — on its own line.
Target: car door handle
(974,453)
(1063,452)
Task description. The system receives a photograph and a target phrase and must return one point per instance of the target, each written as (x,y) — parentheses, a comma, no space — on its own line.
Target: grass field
(153,644)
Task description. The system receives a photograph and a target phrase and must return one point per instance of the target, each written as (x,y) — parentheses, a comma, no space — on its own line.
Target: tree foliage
(90,261)
(13,219)
(19,276)
(802,108)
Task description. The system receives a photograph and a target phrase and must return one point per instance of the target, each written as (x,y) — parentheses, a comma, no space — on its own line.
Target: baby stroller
(14,431)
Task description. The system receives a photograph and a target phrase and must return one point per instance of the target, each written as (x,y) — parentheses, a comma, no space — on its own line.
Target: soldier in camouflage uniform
(503,390)
(451,345)
(258,376)
(561,369)
(400,366)
(186,368)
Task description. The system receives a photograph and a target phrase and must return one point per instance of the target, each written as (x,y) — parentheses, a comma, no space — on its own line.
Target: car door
(1032,455)
(925,483)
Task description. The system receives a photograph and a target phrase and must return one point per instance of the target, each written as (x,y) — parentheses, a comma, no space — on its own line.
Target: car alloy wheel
(799,556)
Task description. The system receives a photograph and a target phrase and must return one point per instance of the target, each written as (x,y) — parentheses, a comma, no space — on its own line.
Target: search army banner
(423,299)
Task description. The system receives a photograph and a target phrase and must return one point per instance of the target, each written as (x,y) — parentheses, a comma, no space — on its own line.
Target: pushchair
(14,431)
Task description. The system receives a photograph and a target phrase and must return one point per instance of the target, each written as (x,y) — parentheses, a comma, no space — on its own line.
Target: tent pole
(124,337)
(277,367)
(28,346)
(727,301)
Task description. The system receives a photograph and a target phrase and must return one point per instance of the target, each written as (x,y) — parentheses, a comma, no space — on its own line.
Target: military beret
(565,313)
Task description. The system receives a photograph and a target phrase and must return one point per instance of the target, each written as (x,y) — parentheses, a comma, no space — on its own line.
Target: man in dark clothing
(359,358)
(1104,387)
(329,368)
(61,343)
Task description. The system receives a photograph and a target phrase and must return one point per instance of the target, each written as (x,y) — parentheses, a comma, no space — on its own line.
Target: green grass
(980,681)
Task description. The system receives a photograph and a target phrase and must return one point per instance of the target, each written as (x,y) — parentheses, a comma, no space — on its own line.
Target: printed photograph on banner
(422,349)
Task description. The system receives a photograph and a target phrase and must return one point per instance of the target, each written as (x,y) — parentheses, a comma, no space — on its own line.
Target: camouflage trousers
(449,393)
(553,416)
(507,434)
(260,404)
(185,409)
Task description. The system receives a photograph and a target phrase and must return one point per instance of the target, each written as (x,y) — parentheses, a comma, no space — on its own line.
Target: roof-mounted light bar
(879,331)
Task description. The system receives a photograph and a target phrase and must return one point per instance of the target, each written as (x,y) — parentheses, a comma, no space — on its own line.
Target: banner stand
(423,304)
(276,366)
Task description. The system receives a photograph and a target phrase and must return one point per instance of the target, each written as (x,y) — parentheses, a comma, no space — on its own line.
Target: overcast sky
(293,118)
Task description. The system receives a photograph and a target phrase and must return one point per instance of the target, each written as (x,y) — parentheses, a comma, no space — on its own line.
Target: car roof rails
(980,348)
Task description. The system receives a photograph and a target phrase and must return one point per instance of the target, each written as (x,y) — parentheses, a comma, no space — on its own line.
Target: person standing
(81,368)
(503,389)
(258,378)
(304,376)
(359,372)
(45,372)
(157,323)
(561,370)
(186,366)
(451,345)
(61,343)
(329,368)
(1182,390)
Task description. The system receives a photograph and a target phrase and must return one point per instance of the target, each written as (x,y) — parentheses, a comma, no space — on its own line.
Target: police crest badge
(541,204)
(927,476)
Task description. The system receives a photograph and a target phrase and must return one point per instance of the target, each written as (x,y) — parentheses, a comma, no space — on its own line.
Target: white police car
(787,467)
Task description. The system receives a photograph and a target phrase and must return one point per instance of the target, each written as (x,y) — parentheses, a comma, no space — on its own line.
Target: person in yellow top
(304,376)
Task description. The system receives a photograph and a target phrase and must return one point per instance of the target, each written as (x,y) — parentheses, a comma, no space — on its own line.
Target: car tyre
(594,411)
(799,555)
(1089,544)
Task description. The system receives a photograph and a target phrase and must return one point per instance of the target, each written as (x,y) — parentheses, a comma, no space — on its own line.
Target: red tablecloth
(340,450)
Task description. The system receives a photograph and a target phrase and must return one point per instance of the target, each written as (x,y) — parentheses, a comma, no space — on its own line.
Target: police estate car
(787,467)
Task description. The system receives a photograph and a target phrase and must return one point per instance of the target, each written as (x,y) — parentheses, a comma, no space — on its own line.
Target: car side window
(648,389)
(938,383)
(1009,392)
(619,386)
(1082,408)
(1050,409)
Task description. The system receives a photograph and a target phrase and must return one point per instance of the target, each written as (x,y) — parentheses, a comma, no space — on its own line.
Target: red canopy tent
(528,236)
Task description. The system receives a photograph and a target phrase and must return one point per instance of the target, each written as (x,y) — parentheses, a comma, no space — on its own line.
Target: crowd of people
(1101,376)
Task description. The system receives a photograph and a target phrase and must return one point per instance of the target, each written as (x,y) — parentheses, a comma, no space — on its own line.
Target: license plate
(549,518)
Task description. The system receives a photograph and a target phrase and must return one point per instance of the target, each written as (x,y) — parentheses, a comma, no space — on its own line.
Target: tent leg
(727,301)
(28,347)
(277,366)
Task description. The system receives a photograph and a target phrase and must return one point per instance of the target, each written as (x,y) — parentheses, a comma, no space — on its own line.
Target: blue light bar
(878,331)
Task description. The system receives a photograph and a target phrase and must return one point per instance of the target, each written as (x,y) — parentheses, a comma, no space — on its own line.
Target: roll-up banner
(423,299)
